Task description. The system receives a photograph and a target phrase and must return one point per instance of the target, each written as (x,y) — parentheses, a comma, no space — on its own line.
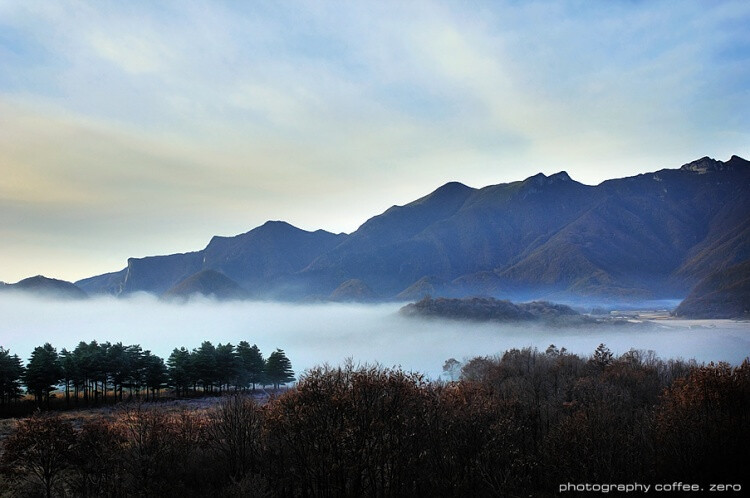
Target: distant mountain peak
(542,180)
(738,162)
(42,285)
(450,189)
(277,223)
(702,165)
(561,176)
(39,279)
(452,186)
(706,164)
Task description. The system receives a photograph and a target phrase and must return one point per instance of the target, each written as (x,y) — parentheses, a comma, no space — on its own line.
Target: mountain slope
(723,294)
(472,230)
(263,256)
(254,259)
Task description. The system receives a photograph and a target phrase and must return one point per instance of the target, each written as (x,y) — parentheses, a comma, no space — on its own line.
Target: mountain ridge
(651,235)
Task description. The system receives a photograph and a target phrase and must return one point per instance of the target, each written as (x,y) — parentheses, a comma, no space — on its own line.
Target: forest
(517,424)
(94,373)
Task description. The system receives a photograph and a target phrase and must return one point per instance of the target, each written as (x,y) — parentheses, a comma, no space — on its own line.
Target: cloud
(223,115)
(315,334)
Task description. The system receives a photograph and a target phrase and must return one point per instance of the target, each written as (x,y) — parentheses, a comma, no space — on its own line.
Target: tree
(179,368)
(226,365)
(251,365)
(69,369)
(43,372)
(39,450)
(279,369)
(602,356)
(452,368)
(98,459)
(135,370)
(11,372)
(235,433)
(154,373)
(119,367)
(88,363)
(205,365)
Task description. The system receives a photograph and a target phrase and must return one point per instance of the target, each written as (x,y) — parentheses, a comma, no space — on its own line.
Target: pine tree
(205,365)
(179,367)
(43,372)
(602,356)
(226,365)
(251,365)
(154,373)
(11,372)
(279,369)
(119,366)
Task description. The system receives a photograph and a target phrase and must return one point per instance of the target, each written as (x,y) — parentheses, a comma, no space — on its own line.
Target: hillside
(723,294)
(255,260)
(352,290)
(206,283)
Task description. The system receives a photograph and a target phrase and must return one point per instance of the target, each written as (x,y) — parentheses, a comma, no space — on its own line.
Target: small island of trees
(96,373)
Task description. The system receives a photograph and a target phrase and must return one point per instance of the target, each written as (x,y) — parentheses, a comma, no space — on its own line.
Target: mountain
(256,260)
(723,294)
(352,290)
(547,235)
(653,235)
(46,287)
(454,231)
(264,260)
(425,287)
(206,283)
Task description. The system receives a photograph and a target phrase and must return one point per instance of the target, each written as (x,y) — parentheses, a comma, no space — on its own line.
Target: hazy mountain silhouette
(352,290)
(206,283)
(46,287)
(426,287)
(648,236)
(257,260)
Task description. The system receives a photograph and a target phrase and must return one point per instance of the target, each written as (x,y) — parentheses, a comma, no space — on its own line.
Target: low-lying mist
(313,334)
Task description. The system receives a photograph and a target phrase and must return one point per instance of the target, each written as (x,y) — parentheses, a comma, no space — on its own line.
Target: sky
(130,129)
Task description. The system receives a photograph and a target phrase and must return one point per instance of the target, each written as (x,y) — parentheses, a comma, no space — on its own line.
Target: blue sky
(139,128)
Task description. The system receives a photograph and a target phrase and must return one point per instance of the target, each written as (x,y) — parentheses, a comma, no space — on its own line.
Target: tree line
(94,372)
(518,424)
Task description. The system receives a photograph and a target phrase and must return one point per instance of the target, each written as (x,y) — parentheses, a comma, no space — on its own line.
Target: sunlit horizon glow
(145,128)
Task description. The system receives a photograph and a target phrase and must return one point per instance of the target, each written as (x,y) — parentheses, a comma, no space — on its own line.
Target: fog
(312,334)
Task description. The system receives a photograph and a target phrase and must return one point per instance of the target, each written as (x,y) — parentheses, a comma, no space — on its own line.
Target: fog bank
(312,334)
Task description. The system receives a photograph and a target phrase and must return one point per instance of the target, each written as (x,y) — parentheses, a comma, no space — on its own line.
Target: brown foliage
(349,431)
(515,425)
(38,452)
(704,422)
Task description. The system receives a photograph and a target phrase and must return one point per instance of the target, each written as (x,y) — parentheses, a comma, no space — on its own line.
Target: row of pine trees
(94,372)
